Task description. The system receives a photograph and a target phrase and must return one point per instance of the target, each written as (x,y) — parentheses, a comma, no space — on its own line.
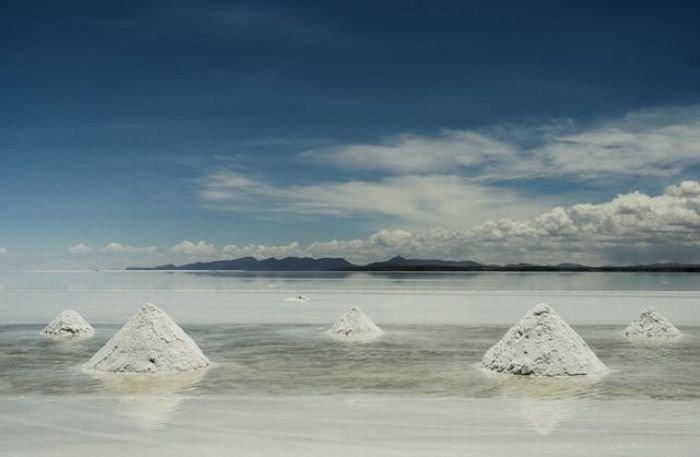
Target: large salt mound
(68,324)
(150,342)
(542,344)
(354,326)
(652,326)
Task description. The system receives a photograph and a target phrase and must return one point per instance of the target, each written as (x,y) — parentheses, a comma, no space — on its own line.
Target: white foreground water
(279,386)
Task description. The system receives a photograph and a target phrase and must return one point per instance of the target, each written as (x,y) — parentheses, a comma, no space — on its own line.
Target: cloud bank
(461,178)
(190,249)
(631,228)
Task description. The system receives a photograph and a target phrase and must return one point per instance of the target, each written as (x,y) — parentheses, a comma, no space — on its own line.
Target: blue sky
(261,124)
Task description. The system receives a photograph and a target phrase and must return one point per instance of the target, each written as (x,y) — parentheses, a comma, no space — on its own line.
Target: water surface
(278,386)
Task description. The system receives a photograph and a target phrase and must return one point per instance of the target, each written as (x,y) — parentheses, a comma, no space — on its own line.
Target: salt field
(278,385)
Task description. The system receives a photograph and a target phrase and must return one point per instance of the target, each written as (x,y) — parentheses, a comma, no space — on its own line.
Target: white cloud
(633,227)
(3,251)
(658,142)
(655,143)
(455,178)
(420,154)
(190,249)
(118,248)
(635,224)
(424,201)
(260,251)
(79,248)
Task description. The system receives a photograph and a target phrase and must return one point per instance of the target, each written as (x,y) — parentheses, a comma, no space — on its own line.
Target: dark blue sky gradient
(111,111)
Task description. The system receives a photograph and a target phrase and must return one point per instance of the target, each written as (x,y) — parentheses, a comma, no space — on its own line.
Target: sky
(140,133)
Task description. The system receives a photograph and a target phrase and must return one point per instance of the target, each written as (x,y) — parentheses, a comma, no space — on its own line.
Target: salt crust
(354,326)
(151,342)
(542,344)
(68,324)
(651,326)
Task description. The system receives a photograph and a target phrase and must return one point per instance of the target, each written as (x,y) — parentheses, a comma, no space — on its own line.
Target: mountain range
(399,263)
(253,264)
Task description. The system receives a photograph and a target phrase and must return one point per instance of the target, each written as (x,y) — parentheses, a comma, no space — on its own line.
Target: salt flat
(353,425)
(279,386)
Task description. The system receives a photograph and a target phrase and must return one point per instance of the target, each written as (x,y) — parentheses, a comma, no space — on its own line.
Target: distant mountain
(253,264)
(570,265)
(399,263)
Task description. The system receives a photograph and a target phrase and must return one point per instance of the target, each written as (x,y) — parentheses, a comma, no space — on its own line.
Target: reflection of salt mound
(354,325)
(542,344)
(149,400)
(652,326)
(149,343)
(544,416)
(68,324)
(544,403)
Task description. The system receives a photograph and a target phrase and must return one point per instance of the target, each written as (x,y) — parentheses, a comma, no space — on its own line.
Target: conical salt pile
(542,344)
(354,325)
(652,326)
(149,343)
(68,324)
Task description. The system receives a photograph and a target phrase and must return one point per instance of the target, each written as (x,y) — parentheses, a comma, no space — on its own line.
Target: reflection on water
(347,426)
(545,416)
(414,362)
(432,360)
(401,298)
(150,400)
(280,386)
(544,403)
(654,345)
(550,388)
(339,280)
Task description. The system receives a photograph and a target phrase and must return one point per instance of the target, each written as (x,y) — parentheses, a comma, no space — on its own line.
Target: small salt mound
(298,298)
(68,324)
(354,326)
(542,344)
(151,342)
(652,326)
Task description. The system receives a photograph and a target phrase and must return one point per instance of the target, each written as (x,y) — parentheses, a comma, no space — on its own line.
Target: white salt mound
(151,342)
(68,324)
(542,344)
(354,326)
(652,326)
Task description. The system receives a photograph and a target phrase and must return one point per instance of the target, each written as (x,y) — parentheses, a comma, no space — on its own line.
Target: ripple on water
(408,360)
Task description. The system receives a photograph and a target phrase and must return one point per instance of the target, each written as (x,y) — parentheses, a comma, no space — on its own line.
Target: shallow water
(395,298)
(421,360)
(279,386)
